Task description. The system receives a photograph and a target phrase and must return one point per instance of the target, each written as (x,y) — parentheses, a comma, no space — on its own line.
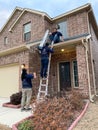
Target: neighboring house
(74,63)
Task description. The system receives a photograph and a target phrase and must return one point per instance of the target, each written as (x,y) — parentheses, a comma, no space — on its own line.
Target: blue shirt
(45,50)
(27,81)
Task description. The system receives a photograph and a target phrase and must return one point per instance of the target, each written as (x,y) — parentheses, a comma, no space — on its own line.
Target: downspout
(84,42)
(90,46)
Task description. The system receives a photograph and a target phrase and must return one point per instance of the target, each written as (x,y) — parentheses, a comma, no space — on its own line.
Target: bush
(26,125)
(15,99)
(76,100)
(56,113)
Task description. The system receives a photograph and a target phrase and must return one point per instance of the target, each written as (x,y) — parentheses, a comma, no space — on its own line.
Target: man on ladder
(45,51)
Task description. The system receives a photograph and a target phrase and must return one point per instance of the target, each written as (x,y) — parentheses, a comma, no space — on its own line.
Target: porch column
(82,70)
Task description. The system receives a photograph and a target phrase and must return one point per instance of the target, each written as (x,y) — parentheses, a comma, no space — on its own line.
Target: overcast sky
(51,7)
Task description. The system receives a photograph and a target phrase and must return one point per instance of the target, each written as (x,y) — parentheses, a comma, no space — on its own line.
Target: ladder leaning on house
(43,87)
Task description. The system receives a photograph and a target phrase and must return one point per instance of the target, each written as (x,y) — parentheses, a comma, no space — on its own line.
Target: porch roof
(70,43)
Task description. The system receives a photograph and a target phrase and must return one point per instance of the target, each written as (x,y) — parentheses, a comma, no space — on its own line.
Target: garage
(9,80)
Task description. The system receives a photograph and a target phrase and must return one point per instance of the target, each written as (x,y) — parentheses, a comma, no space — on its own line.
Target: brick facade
(77,24)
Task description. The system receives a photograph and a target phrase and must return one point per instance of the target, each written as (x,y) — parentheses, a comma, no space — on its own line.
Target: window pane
(63,29)
(27,27)
(5,40)
(27,32)
(75,72)
(27,36)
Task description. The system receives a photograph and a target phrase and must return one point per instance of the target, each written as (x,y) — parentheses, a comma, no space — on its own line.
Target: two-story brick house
(74,63)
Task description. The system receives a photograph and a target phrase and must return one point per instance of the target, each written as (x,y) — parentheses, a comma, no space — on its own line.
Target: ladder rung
(42,91)
(43,85)
(40,98)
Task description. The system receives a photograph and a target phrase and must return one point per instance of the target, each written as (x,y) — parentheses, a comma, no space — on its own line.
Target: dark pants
(55,38)
(44,67)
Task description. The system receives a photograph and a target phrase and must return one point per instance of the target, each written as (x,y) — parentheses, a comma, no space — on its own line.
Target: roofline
(13,50)
(73,41)
(17,8)
(23,10)
(32,11)
(27,47)
(88,5)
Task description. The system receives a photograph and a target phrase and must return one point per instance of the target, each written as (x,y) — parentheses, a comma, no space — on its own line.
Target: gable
(21,12)
(15,14)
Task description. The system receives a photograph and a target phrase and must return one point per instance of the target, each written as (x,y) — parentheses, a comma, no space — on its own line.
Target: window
(27,31)
(75,74)
(5,40)
(63,29)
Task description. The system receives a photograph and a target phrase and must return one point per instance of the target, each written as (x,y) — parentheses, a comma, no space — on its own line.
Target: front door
(64,74)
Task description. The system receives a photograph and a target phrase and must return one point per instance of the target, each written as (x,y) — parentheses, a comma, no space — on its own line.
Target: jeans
(44,67)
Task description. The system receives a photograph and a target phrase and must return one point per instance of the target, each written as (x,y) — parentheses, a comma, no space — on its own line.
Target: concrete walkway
(10,116)
(90,119)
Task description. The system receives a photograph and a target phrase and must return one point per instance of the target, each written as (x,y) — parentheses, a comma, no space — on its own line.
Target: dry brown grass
(4,127)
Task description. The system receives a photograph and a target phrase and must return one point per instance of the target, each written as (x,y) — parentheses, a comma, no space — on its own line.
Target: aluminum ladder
(43,87)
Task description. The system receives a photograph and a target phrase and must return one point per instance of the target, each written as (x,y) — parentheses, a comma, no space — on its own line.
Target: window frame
(5,40)
(74,82)
(63,24)
(26,34)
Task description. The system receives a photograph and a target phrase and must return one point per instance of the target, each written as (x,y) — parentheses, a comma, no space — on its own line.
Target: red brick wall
(82,69)
(77,24)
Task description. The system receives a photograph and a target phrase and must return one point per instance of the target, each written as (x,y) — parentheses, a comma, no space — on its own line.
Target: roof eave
(87,7)
(17,8)
(13,50)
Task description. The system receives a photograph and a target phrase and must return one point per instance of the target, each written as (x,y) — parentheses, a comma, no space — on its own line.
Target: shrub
(15,99)
(76,100)
(55,113)
(26,125)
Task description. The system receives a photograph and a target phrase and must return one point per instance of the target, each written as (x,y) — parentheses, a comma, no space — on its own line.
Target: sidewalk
(90,119)
(10,116)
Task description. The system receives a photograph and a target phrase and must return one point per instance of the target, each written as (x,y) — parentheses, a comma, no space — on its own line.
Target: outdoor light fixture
(62,50)
(23,66)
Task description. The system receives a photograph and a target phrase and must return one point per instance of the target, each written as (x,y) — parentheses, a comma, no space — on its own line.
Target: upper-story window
(63,29)
(5,40)
(27,31)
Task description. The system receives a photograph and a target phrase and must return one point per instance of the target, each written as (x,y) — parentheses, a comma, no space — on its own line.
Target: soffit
(13,50)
